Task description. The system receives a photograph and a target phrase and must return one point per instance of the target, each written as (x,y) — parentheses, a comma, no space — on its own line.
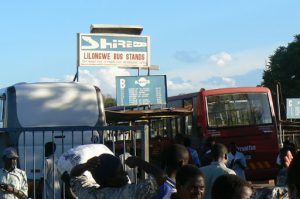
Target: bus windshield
(238,109)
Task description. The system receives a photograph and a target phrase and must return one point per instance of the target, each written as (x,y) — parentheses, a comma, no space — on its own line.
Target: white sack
(80,154)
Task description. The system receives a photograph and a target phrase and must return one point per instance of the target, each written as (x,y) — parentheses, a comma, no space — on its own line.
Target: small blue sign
(141,90)
(293,108)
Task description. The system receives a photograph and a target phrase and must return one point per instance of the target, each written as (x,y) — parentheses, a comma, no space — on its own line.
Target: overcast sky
(196,43)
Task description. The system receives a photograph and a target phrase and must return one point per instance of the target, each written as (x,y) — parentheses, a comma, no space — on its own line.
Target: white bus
(42,105)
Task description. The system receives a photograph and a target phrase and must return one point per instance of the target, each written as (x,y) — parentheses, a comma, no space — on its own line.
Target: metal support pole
(145,147)
(279,115)
(77,74)
(133,134)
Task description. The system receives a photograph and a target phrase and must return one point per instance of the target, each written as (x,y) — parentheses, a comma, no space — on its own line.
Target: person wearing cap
(13,181)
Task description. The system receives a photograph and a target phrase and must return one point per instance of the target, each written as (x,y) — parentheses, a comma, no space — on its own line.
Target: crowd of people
(182,175)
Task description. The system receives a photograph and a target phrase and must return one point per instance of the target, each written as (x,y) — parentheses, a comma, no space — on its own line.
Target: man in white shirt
(237,161)
(52,187)
(13,181)
(216,168)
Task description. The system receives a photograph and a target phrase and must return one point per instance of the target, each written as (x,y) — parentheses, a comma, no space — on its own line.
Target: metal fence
(292,136)
(30,144)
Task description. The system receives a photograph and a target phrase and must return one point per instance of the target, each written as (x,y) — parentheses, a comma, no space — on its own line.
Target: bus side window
(2,98)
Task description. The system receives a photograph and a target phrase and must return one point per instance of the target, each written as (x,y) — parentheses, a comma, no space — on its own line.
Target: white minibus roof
(56,104)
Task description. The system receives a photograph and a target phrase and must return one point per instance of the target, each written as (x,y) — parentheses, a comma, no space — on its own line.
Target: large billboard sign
(113,50)
(141,90)
(293,108)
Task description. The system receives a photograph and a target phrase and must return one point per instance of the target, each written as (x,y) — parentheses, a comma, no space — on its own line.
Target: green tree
(109,101)
(284,67)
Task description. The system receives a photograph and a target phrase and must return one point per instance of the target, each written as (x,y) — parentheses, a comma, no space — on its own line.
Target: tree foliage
(284,67)
(109,101)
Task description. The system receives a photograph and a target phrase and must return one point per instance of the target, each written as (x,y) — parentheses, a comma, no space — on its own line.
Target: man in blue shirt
(174,157)
(236,161)
(194,159)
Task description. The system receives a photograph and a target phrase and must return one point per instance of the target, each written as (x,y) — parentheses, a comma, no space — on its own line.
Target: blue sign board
(141,90)
(113,50)
(293,108)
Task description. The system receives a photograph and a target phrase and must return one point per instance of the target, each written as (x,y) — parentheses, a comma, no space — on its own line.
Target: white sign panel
(113,50)
(293,108)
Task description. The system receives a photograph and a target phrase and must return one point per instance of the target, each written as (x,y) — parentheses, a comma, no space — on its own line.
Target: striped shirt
(85,189)
(17,179)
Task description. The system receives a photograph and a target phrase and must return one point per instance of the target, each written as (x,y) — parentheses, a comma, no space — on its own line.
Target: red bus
(244,115)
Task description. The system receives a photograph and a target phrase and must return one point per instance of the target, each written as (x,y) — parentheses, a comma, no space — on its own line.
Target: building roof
(116,29)
(134,115)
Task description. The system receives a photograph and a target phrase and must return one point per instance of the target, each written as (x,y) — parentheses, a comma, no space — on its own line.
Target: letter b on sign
(122,83)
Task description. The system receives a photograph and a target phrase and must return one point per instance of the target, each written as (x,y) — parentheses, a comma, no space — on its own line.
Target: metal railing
(30,143)
(292,135)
